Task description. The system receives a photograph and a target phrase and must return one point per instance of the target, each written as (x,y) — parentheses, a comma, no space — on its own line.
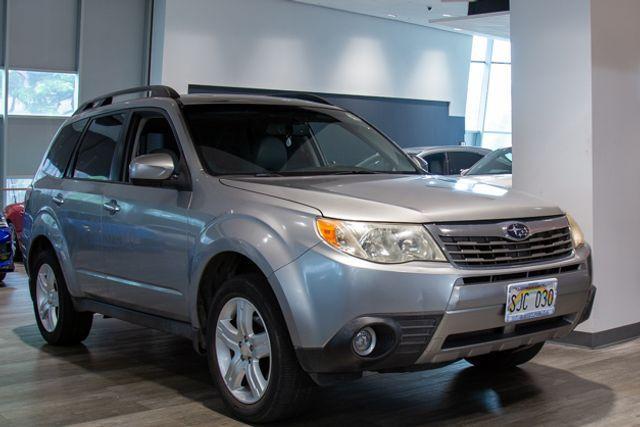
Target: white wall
(551,103)
(576,98)
(616,150)
(277,44)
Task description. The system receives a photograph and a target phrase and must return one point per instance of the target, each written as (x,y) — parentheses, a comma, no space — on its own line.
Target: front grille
(486,244)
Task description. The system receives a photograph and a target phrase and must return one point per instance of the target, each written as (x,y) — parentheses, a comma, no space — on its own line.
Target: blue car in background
(6,249)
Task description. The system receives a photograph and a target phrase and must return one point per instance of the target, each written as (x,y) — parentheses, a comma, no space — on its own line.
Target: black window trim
(183,172)
(72,164)
(73,151)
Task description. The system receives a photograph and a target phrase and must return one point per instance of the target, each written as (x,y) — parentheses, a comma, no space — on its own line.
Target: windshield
(282,140)
(495,163)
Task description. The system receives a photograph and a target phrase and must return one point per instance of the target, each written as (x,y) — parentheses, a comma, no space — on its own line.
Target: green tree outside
(40,93)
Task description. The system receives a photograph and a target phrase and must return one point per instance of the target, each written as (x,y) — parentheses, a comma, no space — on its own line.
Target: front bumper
(427,313)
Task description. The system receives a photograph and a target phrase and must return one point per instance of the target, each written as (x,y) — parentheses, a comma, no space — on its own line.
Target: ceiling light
(457,29)
(391,15)
(446,15)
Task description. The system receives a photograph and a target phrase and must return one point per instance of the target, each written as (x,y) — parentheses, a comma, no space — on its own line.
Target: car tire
(506,359)
(58,321)
(288,388)
(17,253)
(2,276)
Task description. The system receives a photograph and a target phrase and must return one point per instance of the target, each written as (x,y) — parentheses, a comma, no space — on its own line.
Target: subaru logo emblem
(517,231)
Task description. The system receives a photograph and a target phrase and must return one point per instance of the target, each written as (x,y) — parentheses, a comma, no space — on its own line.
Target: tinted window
(290,140)
(62,148)
(461,160)
(98,149)
(437,163)
(497,162)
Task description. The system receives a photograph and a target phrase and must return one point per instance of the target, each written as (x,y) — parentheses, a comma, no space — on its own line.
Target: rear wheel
(506,359)
(59,323)
(250,353)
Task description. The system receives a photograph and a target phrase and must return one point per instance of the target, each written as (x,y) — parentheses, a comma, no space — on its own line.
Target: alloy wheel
(243,350)
(47,298)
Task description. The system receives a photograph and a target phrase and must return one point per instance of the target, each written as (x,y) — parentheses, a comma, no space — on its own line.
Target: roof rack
(302,96)
(152,91)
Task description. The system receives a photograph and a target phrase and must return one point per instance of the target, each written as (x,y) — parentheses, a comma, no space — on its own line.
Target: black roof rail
(302,96)
(153,91)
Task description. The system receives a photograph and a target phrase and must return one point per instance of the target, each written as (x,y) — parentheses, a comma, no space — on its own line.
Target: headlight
(576,233)
(378,242)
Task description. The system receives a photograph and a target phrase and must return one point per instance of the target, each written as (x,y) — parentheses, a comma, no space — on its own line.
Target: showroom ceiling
(445,14)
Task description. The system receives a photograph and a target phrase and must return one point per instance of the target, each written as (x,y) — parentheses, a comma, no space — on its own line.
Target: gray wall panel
(43,34)
(28,139)
(112,46)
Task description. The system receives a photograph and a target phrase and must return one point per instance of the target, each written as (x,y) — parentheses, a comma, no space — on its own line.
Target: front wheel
(506,359)
(250,354)
(2,276)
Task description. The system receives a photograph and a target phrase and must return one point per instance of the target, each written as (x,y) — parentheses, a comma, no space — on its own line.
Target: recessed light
(391,15)
(457,29)
(446,15)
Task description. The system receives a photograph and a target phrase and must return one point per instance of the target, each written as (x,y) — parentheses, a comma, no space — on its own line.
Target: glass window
(155,135)
(62,148)
(290,141)
(479,49)
(498,162)
(498,114)
(37,93)
(474,96)
(459,160)
(493,141)
(437,163)
(501,51)
(99,148)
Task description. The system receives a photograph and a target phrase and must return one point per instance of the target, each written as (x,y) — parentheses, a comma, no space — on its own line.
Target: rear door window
(459,160)
(97,157)
(62,148)
(437,163)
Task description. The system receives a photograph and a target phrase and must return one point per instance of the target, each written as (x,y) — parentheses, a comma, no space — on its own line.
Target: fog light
(364,341)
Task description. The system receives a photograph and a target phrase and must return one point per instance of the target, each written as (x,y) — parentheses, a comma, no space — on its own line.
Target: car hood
(499,180)
(399,198)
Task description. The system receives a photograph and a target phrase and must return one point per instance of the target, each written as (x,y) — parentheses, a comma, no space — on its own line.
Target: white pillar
(576,124)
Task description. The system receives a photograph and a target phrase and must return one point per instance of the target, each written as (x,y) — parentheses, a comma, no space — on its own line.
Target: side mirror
(463,172)
(152,167)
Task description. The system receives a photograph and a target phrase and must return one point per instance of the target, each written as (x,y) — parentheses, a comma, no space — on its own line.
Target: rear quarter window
(62,148)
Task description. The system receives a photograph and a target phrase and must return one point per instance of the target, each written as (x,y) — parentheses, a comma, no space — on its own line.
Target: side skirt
(164,324)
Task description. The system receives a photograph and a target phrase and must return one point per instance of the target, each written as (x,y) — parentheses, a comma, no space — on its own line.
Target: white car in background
(493,169)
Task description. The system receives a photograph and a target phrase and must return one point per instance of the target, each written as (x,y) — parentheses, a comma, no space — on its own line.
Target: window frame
(73,151)
(76,95)
(119,150)
(476,137)
(184,174)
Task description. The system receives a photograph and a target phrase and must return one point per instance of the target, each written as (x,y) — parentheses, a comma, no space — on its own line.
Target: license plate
(530,300)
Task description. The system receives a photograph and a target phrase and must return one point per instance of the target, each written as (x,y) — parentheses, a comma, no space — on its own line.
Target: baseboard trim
(603,338)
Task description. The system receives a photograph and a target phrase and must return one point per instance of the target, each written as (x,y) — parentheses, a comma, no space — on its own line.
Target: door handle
(58,199)
(112,207)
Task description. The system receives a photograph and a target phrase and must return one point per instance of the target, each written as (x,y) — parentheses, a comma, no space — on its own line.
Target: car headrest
(271,154)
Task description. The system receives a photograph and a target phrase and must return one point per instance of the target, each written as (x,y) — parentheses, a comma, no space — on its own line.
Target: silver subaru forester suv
(294,243)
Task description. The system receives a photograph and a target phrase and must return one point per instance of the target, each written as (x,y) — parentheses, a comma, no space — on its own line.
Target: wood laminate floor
(128,375)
